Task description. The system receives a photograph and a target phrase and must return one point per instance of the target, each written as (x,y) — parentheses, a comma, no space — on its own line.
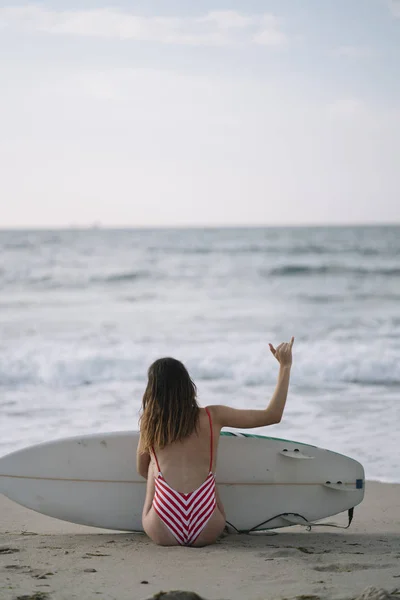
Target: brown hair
(169,408)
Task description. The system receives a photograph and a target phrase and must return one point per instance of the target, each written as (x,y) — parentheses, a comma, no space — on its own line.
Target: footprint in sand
(16,567)
(26,569)
(348,568)
(284,553)
(34,596)
(8,550)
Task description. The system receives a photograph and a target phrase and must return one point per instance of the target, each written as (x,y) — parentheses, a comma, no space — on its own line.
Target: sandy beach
(66,561)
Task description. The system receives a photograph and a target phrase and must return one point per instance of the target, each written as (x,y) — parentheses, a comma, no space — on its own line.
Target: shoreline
(67,561)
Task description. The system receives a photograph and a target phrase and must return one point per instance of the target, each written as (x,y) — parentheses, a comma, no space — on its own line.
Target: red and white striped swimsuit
(185,515)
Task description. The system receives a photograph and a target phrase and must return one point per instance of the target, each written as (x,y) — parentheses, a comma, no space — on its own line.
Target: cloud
(354,52)
(347,107)
(216,28)
(270,33)
(104,144)
(394,6)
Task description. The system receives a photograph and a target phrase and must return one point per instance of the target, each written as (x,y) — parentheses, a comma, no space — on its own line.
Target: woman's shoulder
(214,411)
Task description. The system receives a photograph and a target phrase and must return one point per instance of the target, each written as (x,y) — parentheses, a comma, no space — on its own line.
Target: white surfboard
(264,482)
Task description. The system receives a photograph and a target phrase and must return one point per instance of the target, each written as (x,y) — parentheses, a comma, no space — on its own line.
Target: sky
(208,113)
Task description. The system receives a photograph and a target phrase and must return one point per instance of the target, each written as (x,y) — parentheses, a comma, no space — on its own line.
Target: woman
(178,447)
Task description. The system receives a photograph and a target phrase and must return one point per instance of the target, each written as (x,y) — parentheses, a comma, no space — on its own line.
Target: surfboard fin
(344,487)
(295,454)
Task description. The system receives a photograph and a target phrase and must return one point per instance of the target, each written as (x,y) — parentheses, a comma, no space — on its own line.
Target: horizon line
(118,227)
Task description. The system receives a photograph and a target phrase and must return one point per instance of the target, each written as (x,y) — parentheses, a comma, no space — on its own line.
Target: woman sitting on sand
(178,448)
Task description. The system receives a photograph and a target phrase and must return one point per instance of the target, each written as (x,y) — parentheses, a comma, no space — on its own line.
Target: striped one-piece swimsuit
(185,515)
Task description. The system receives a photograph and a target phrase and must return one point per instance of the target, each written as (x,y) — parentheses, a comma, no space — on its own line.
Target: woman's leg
(212,530)
(152,524)
(215,525)
(219,503)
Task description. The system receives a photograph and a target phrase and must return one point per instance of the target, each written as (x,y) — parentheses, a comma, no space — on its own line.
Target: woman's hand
(283,353)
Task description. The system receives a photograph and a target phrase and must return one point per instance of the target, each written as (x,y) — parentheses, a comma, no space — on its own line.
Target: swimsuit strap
(155,456)
(211,439)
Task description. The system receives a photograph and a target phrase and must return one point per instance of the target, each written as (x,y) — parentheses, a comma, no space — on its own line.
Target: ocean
(83,313)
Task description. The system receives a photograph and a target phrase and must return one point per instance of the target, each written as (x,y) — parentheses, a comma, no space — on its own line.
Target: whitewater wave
(72,366)
(290,270)
(79,280)
(122,277)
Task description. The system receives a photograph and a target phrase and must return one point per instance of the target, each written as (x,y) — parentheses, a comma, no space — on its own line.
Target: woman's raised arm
(225,416)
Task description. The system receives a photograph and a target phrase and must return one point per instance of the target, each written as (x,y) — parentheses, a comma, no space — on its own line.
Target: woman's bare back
(186,464)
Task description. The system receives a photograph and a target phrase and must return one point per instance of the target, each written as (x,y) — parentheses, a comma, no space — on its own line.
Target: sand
(66,561)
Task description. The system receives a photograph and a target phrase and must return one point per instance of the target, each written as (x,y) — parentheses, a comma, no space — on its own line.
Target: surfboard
(264,482)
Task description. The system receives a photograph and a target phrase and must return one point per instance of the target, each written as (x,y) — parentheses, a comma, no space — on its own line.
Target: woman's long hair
(169,408)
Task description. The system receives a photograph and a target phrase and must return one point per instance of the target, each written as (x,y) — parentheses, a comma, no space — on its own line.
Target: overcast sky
(169,112)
